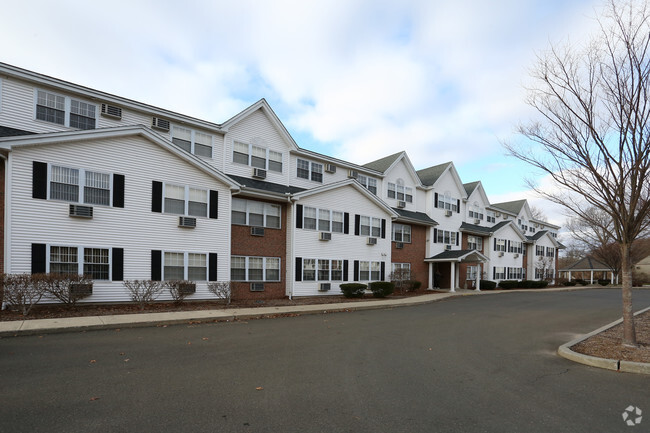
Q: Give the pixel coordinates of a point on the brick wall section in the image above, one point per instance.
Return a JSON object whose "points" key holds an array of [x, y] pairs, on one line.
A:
{"points": [[462, 277], [272, 244], [2, 215], [413, 253]]}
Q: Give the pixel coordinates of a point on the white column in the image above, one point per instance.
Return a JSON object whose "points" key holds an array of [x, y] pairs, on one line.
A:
{"points": [[430, 275], [453, 277], [611, 277], [478, 277], [592, 277], [569, 275]]}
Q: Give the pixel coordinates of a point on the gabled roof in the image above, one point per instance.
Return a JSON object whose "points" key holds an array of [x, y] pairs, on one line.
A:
{"points": [[247, 183], [88, 135], [6, 131], [347, 183], [429, 176], [587, 264], [470, 187], [414, 217], [480, 230], [540, 234], [511, 206], [471, 256], [384, 163]]}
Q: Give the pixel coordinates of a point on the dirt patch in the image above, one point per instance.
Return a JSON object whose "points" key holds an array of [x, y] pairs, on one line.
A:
{"points": [[608, 344], [56, 311]]}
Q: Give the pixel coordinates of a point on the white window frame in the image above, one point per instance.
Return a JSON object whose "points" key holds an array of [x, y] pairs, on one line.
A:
{"points": [[318, 271], [396, 189], [448, 202], [499, 272], [400, 266], [264, 268], [446, 237], [472, 270], [374, 268], [475, 211], [501, 245], [266, 212], [80, 258], [67, 108], [477, 241], [186, 266], [401, 229], [491, 216], [81, 185], [539, 251], [312, 170], [193, 140], [370, 183], [186, 199], [267, 151], [372, 228]]}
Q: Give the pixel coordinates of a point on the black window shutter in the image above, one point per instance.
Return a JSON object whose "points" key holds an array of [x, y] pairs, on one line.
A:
{"points": [[345, 270], [457, 206], [118, 191], [457, 238], [435, 199], [214, 206], [156, 196], [435, 236], [346, 223], [212, 266], [495, 244], [357, 225], [298, 216], [38, 258], [509, 247], [39, 180], [156, 270], [356, 270], [383, 228], [494, 273], [299, 268], [383, 271], [117, 272]]}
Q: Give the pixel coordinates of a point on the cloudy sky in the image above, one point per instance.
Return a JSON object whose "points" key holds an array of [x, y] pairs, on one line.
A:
{"points": [[354, 79]]}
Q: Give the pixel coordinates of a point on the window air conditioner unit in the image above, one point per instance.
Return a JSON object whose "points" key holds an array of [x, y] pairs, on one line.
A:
{"points": [[399, 245], [187, 222], [81, 289], [111, 111], [447, 247], [497, 214], [324, 287], [257, 231], [500, 253], [259, 173], [371, 241], [330, 168], [325, 236], [187, 288], [517, 256], [536, 225], [477, 221], [505, 217], [353, 174], [161, 124], [401, 204], [257, 287], [448, 213], [81, 211]]}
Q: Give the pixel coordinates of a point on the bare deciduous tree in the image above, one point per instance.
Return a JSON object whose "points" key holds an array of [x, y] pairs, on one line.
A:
{"points": [[594, 131], [143, 291], [221, 289], [22, 291], [538, 214]]}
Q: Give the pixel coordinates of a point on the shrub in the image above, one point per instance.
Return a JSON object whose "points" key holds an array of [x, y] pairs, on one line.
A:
{"points": [[401, 279], [143, 291], [488, 285], [582, 282], [413, 285], [570, 283], [509, 284], [353, 290], [603, 282], [381, 289], [221, 289], [639, 278], [532, 284], [23, 291], [179, 289], [67, 288]]}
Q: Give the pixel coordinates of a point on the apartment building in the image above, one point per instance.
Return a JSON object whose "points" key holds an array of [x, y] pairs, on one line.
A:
{"points": [[119, 190]]}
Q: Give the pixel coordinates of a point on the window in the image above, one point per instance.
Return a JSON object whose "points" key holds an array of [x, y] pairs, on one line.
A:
{"points": [[515, 247], [474, 242], [197, 266], [245, 268], [369, 271], [96, 263], [337, 270], [515, 273], [184, 266], [192, 141], [400, 192], [396, 267], [322, 219], [446, 201], [174, 266], [471, 273], [337, 222], [499, 273], [63, 260], [369, 182], [66, 111], [323, 270], [539, 250], [65, 181], [491, 216], [446, 237], [550, 252], [255, 213], [500, 245], [185, 200], [309, 170], [370, 226], [475, 211], [401, 233], [256, 156], [309, 270]]}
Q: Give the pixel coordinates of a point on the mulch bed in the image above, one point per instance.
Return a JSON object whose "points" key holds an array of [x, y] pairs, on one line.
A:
{"points": [[608, 344]]}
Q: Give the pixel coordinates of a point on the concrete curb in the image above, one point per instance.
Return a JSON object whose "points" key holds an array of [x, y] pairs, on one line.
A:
{"points": [[609, 364]]}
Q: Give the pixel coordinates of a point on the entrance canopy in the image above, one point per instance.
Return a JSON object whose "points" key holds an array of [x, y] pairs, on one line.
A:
{"points": [[458, 256]]}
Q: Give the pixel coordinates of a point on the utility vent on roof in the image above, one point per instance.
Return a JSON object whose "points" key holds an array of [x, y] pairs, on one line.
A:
{"points": [[111, 111], [330, 168], [259, 173], [81, 211], [161, 124]]}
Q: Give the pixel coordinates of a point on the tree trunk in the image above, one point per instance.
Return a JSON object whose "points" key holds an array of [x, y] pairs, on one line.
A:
{"points": [[629, 332]]}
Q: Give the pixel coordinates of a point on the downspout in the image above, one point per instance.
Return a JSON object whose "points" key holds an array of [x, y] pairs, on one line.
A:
{"points": [[5, 161], [292, 246]]}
